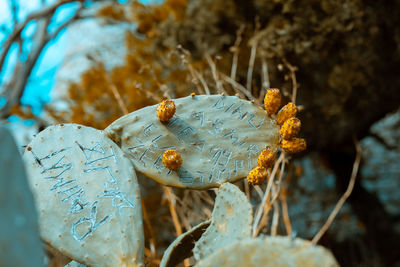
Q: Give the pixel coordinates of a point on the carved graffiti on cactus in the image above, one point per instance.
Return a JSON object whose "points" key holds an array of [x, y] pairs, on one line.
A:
{"points": [[218, 137]]}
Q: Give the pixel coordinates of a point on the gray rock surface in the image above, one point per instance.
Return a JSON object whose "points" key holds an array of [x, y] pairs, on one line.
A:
{"points": [[20, 244]]}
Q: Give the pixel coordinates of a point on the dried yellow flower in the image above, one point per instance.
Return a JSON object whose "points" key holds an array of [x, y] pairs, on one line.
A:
{"points": [[272, 101], [290, 128], [166, 110], [288, 111], [266, 159], [294, 145], [257, 175], [172, 159]]}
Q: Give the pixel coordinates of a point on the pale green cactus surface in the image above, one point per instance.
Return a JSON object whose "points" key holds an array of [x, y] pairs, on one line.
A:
{"points": [[218, 137], [87, 196], [271, 251], [230, 221], [74, 264], [182, 246]]}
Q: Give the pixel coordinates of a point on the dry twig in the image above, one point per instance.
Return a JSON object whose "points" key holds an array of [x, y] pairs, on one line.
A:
{"points": [[261, 209], [344, 197], [235, 50], [14, 87], [285, 212]]}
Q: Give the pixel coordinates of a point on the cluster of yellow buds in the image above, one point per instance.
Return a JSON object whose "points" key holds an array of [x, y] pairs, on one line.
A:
{"points": [[286, 118], [290, 128], [265, 161], [257, 175]]}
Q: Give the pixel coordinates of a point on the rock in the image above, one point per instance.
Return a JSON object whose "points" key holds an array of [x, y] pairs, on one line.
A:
{"points": [[311, 198], [87, 196], [20, 244]]}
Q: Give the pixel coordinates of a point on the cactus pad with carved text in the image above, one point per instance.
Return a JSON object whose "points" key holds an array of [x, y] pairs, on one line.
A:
{"points": [[87, 196], [218, 137]]}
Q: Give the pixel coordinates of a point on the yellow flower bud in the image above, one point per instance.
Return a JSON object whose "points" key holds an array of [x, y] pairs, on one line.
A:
{"points": [[165, 110], [257, 175], [272, 101], [294, 145], [290, 128], [172, 159], [266, 159], [287, 112]]}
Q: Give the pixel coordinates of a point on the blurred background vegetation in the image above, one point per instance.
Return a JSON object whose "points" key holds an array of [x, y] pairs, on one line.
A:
{"points": [[339, 59]]}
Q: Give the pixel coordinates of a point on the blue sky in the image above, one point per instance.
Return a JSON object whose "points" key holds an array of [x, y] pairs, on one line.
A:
{"points": [[42, 78]]}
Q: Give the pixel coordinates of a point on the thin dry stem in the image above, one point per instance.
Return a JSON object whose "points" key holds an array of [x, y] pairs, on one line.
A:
{"points": [[259, 191], [251, 66], [235, 49], [171, 203], [184, 55], [344, 197], [238, 87], [279, 181], [295, 86], [275, 219], [218, 82], [265, 78], [265, 217], [202, 81], [260, 210], [152, 239], [285, 212], [120, 102]]}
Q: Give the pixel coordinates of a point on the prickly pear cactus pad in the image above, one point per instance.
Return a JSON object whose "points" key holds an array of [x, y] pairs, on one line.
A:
{"points": [[20, 244], [74, 264], [87, 196], [270, 252], [230, 221], [218, 137], [182, 246]]}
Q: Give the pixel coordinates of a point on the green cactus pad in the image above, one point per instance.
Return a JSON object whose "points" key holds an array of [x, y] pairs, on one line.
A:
{"points": [[270, 252], [218, 137], [87, 196], [230, 221], [182, 246], [20, 244], [74, 264]]}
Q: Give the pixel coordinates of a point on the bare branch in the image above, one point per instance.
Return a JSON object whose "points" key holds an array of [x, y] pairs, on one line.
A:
{"points": [[214, 71], [238, 87], [295, 85], [235, 50], [251, 66], [343, 199], [13, 89], [18, 28]]}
